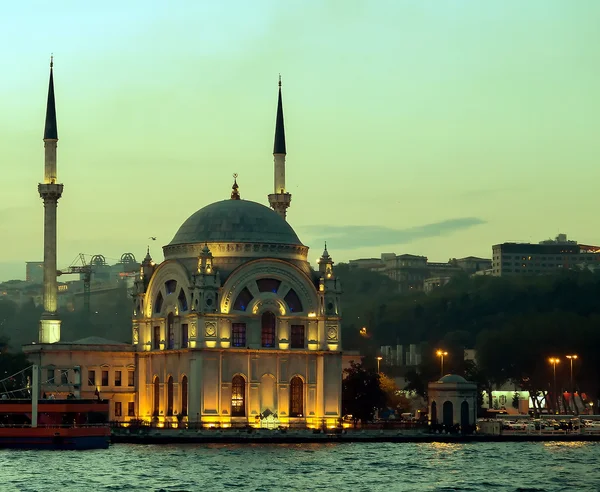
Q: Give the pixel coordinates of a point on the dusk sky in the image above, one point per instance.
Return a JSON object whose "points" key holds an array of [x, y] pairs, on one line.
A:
{"points": [[426, 127]]}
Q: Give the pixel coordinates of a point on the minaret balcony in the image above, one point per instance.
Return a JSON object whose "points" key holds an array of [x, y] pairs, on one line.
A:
{"points": [[283, 198], [50, 190]]}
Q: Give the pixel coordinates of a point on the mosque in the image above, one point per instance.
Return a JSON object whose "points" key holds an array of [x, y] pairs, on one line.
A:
{"points": [[234, 327]]}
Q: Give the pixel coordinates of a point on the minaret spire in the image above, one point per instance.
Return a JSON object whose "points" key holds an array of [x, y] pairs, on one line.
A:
{"points": [[50, 191], [279, 200], [279, 145], [51, 130]]}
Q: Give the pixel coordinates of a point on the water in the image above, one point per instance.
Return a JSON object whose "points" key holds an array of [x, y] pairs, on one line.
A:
{"points": [[338, 467]]}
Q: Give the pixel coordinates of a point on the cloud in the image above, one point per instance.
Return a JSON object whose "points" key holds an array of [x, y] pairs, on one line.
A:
{"points": [[352, 237]]}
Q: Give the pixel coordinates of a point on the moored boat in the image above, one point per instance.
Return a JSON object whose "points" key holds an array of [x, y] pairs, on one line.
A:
{"points": [[48, 423], [61, 424]]}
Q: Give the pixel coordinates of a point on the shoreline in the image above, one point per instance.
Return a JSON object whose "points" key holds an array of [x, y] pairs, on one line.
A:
{"points": [[275, 437]]}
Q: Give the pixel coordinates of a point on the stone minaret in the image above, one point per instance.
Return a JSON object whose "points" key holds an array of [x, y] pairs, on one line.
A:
{"points": [[50, 191], [279, 200]]}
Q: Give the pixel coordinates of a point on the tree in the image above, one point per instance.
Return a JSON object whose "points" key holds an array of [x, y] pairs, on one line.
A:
{"points": [[362, 394], [515, 400], [394, 398]]}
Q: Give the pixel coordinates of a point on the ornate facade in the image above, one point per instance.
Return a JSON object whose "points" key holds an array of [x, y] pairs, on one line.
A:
{"points": [[231, 328]]}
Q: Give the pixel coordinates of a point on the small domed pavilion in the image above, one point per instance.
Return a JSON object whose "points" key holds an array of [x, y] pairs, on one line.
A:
{"points": [[452, 403]]}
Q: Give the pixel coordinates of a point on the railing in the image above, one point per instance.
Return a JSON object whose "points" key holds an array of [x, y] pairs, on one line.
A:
{"points": [[320, 425], [51, 426]]}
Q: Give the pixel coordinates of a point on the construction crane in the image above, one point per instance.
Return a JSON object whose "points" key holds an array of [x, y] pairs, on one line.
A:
{"points": [[85, 271], [95, 266]]}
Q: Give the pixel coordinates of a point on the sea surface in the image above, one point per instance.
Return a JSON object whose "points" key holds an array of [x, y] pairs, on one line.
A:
{"points": [[340, 467]]}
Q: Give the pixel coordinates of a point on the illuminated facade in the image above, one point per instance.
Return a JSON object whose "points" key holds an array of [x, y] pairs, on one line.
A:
{"points": [[233, 328]]}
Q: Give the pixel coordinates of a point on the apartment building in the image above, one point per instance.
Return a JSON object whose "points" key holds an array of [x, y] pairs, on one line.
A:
{"points": [[543, 258]]}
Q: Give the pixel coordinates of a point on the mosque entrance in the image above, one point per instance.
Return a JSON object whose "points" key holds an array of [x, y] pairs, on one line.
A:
{"points": [[448, 413]]}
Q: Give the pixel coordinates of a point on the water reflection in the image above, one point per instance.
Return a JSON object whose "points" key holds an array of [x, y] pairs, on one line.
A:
{"points": [[370, 467]]}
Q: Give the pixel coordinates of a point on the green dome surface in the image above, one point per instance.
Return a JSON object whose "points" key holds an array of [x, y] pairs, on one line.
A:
{"points": [[235, 221]]}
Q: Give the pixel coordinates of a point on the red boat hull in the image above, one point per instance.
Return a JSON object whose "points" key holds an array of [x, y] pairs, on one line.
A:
{"points": [[55, 438]]}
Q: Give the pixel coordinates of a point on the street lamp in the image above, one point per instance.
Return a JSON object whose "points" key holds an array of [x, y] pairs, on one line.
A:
{"points": [[441, 354], [554, 361], [571, 359], [378, 361]]}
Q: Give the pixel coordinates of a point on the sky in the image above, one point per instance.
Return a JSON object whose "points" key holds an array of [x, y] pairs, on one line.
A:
{"points": [[431, 127]]}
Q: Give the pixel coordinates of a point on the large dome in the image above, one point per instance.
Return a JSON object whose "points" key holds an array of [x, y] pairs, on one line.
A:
{"points": [[235, 221]]}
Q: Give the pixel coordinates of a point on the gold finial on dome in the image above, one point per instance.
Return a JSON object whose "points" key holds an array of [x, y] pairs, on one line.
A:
{"points": [[235, 194]]}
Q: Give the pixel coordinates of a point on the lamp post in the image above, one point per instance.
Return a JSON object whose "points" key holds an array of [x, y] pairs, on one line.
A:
{"points": [[378, 361], [571, 359], [441, 354], [554, 361]]}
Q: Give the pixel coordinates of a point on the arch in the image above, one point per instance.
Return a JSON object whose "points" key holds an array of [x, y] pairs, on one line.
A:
{"points": [[238, 396], [268, 327], [296, 397], [448, 413], [184, 396], [170, 396], [156, 402], [271, 268], [464, 416], [433, 415], [166, 271]]}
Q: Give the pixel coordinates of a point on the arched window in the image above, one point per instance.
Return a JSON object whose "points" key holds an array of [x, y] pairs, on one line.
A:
{"points": [[293, 301], [170, 396], [268, 285], [156, 397], [448, 413], [170, 286], [268, 323], [183, 305], [158, 303], [238, 397], [184, 395], [170, 331], [296, 397], [243, 299]]}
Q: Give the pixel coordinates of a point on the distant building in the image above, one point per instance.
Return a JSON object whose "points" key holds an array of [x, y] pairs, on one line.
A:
{"points": [[432, 283], [34, 272], [412, 271], [401, 355], [545, 257]]}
